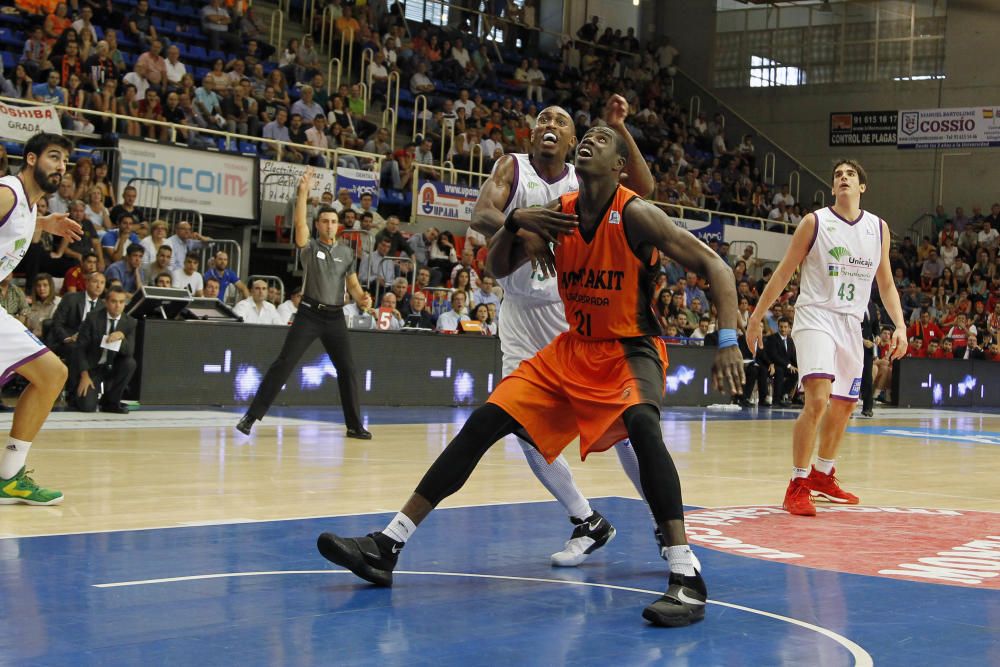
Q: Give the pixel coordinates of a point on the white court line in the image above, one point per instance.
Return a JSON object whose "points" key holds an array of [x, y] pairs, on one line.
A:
{"points": [[224, 522], [861, 657]]}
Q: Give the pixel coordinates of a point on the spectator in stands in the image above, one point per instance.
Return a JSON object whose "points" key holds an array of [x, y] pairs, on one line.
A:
{"points": [[360, 315], [188, 277], [481, 314], [43, 303], [154, 65], [779, 350], [240, 113], [277, 130], [931, 270], [226, 276], [150, 109], [71, 252], [215, 24], [989, 237], [416, 313], [128, 271], [420, 243], [13, 299], [397, 243], [306, 106], [467, 264], [388, 317], [374, 273], [420, 83], [317, 138], [212, 289], [450, 320], [35, 55], [160, 266], [442, 257], [290, 307], [115, 242], [366, 205], [94, 364], [175, 69], [184, 241], [256, 309], [536, 82], [344, 201], [487, 292], [75, 279], [307, 60]]}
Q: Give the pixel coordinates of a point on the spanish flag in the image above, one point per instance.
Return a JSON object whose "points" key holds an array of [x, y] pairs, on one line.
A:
{"points": [[987, 113]]}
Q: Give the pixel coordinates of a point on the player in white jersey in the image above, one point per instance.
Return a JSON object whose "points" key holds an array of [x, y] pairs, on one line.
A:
{"points": [[841, 249], [533, 314], [45, 159]]}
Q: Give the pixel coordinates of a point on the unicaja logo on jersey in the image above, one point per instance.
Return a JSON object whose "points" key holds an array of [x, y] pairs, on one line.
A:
{"points": [[838, 252]]}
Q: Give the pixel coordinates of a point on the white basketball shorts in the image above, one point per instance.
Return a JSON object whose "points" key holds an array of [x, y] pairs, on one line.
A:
{"points": [[526, 329], [828, 345], [18, 346]]}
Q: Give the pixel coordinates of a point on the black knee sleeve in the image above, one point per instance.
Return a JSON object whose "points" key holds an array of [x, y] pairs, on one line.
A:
{"points": [[452, 468], [660, 483]]}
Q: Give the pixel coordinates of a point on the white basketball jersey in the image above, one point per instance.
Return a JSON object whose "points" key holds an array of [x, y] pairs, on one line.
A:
{"points": [[16, 229], [838, 270], [525, 286]]}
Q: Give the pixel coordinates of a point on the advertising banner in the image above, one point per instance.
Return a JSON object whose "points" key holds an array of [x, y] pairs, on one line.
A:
{"points": [[863, 128], [446, 201], [706, 230], [357, 182], [217, 184], [279, 181], [21, 123], [965, 127]]}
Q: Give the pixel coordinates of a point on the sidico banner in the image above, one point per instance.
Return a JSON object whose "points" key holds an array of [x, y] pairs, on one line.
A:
{"points": [[219, 184], [445, 201], [965, 127], [21, 123]]}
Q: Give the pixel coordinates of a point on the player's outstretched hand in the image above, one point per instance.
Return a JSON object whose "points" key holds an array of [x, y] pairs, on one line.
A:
{"points": [[307, 181], [616, 111], [60, 224], [539, 252], [898, 345], [545, 223], [727, 370]]}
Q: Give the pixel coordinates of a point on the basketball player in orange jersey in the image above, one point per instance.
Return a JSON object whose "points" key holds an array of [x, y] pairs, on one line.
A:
{"points": [[842, 249], [532, 310], [602, 380]]}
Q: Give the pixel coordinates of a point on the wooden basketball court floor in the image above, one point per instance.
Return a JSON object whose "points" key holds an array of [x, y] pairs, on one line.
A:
{"points": [[182, 541]]}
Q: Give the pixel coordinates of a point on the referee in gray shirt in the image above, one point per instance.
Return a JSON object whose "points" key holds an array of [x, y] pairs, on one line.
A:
{"points": [[329, 267]]}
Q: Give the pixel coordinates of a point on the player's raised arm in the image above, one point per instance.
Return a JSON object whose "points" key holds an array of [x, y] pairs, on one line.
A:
{"points": [[797, 251], [488, 215], [645, 223], [637, 175]]}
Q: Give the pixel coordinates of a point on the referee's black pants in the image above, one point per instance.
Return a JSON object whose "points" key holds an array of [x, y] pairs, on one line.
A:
{"points": [[309, 324]]}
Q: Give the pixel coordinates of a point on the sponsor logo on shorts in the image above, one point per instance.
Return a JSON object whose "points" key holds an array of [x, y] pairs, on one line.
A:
{"points": [[855, 387], [957, 548]]}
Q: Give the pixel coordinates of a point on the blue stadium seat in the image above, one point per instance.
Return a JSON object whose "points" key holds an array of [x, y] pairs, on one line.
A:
{"points": [[214, 55], [198, 52], [12, 21], [14, 148], [9, 63], [248, 148]]}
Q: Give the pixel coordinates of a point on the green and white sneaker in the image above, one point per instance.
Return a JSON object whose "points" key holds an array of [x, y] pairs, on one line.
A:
{"points": [[22, 489]]}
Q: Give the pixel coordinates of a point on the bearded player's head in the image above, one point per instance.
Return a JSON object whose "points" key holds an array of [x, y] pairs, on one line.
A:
{"points": [[554, 134], [46, 156]]}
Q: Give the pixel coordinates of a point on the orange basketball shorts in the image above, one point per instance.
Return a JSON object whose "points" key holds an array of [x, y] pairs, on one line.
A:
{"points": [[575, 386]]}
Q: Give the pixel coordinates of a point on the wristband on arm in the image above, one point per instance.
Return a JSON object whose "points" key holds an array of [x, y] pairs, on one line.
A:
{"points": [[509, 223], [727, 338]]}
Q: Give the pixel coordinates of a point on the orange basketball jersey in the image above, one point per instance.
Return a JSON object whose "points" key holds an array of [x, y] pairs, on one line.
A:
{"points": [[605, 288]]}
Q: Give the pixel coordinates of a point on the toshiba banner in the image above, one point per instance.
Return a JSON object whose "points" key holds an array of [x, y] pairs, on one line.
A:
{"points": [[219, 184], [967, 127], [21, 123]]}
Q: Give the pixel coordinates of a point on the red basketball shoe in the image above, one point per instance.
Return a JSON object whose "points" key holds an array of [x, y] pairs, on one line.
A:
{"points": [[825, 486], [797, 498]]}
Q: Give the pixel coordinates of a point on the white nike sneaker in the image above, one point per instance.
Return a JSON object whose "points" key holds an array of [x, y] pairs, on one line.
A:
{"points": [[588, 536]]}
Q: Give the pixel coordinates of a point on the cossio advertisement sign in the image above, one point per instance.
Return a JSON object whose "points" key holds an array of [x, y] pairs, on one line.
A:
{"points": [[216, 184], [965, 127]]}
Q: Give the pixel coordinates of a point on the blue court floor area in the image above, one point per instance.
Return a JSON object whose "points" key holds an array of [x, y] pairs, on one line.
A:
{"points": [[474, 587]]}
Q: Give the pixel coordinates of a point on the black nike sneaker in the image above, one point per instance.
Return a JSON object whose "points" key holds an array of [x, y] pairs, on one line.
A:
{"points": [[682, 604], [588, 536], [372, 557]]}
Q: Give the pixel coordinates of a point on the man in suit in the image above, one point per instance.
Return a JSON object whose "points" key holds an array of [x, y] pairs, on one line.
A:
{"points": [[94, 363], [756, 368], [71, 312], [780, 352]]}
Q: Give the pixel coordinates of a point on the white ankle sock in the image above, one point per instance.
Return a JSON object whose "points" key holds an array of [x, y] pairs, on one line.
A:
{"points": [[824, 466], [799, 472], [681, 560], [400, 528], [13, 457]]}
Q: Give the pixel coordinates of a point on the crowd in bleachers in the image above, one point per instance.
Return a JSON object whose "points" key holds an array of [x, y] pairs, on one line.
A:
{"points": [[208, 67]]}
